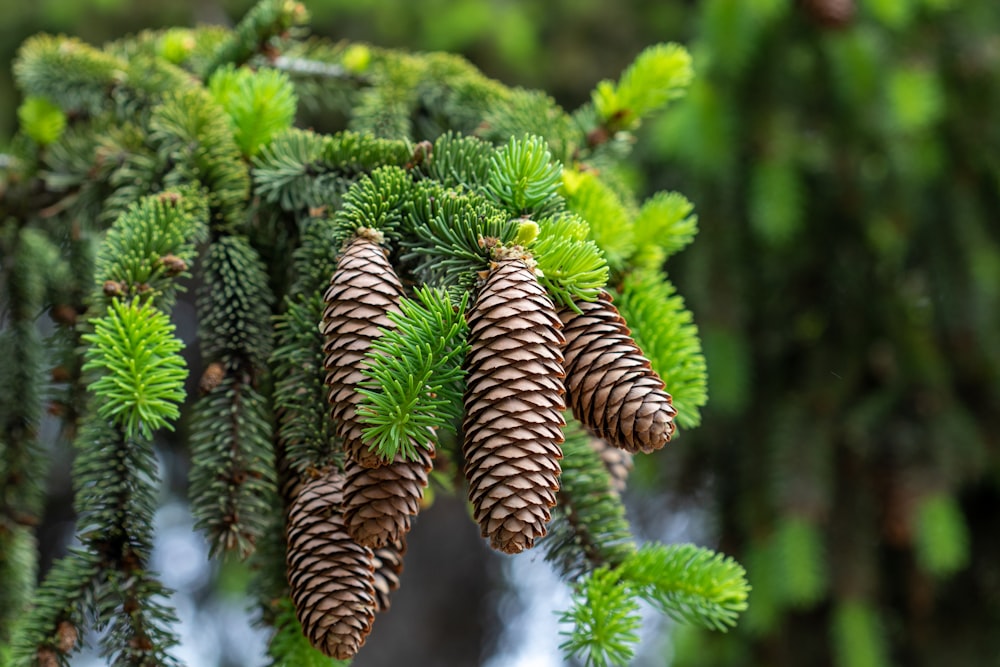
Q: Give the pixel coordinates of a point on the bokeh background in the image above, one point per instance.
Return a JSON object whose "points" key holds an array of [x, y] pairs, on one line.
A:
{"points": [[844, 160]]}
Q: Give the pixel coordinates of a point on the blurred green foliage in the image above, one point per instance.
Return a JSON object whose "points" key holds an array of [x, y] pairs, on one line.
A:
{"points": [[843, 160]]}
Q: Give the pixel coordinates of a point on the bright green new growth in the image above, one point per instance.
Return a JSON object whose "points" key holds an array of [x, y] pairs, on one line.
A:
{"points": [[41, 120], [569, 265], [605, 616], [659, 74], [689, 583], [663, 227], [523, 177], [609, 219], [416, 373], [141, 382], [692, 584], [260, 103]]}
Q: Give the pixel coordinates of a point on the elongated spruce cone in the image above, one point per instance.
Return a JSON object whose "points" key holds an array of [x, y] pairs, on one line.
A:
{"points": [[610, 386], [332, 578], [378, 502], [363, 290], [513, 403], [388, 568]]}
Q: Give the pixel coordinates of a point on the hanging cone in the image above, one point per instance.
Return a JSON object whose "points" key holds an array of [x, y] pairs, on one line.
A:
{"points": [[618, 463], [331, 577], [363, 290], [388, 567], [378, 502], [610, 386], [513, 403], [830, 13]]}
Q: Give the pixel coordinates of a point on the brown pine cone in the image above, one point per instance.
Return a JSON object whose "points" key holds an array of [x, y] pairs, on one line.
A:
{"points": [[513, 403], [618, 463], [611, 387], [388, 568], [363, 290], [331, 577], [378, 502]]}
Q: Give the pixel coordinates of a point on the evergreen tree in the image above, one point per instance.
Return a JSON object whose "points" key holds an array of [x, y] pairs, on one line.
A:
{"points": [[427, 288]]}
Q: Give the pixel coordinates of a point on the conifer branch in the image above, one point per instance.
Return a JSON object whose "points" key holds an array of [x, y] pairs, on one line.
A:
{"points": [[450, 229], [261, 104], [141, 380], [691, 584], [416, 375], [589, 529], [267, 20], [605, 618], [233, 480], [375, 202], [524, 179], [193, 134], [659, 74]]}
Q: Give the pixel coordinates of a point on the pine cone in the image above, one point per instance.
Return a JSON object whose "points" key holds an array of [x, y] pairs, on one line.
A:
{"points": [[611, 387], [830, 13], [618, 463], [378, 502], [331, 577], [363, 290], [513, 403], [388, 568]]}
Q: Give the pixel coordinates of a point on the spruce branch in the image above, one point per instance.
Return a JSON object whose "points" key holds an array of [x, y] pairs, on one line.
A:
{"points": [[605, 618], [193, 134], [524, 179], [459, 160], [570, 266], [659, 74], [692, 584], [416, 375], [260, 103], [589, 529], [305, 431], [152, 244], [374, 202], [64, 70], [663, 227], [233, 480], [267, 20], [300, 169], [234, 307], [450, 227], [141, 373]]}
